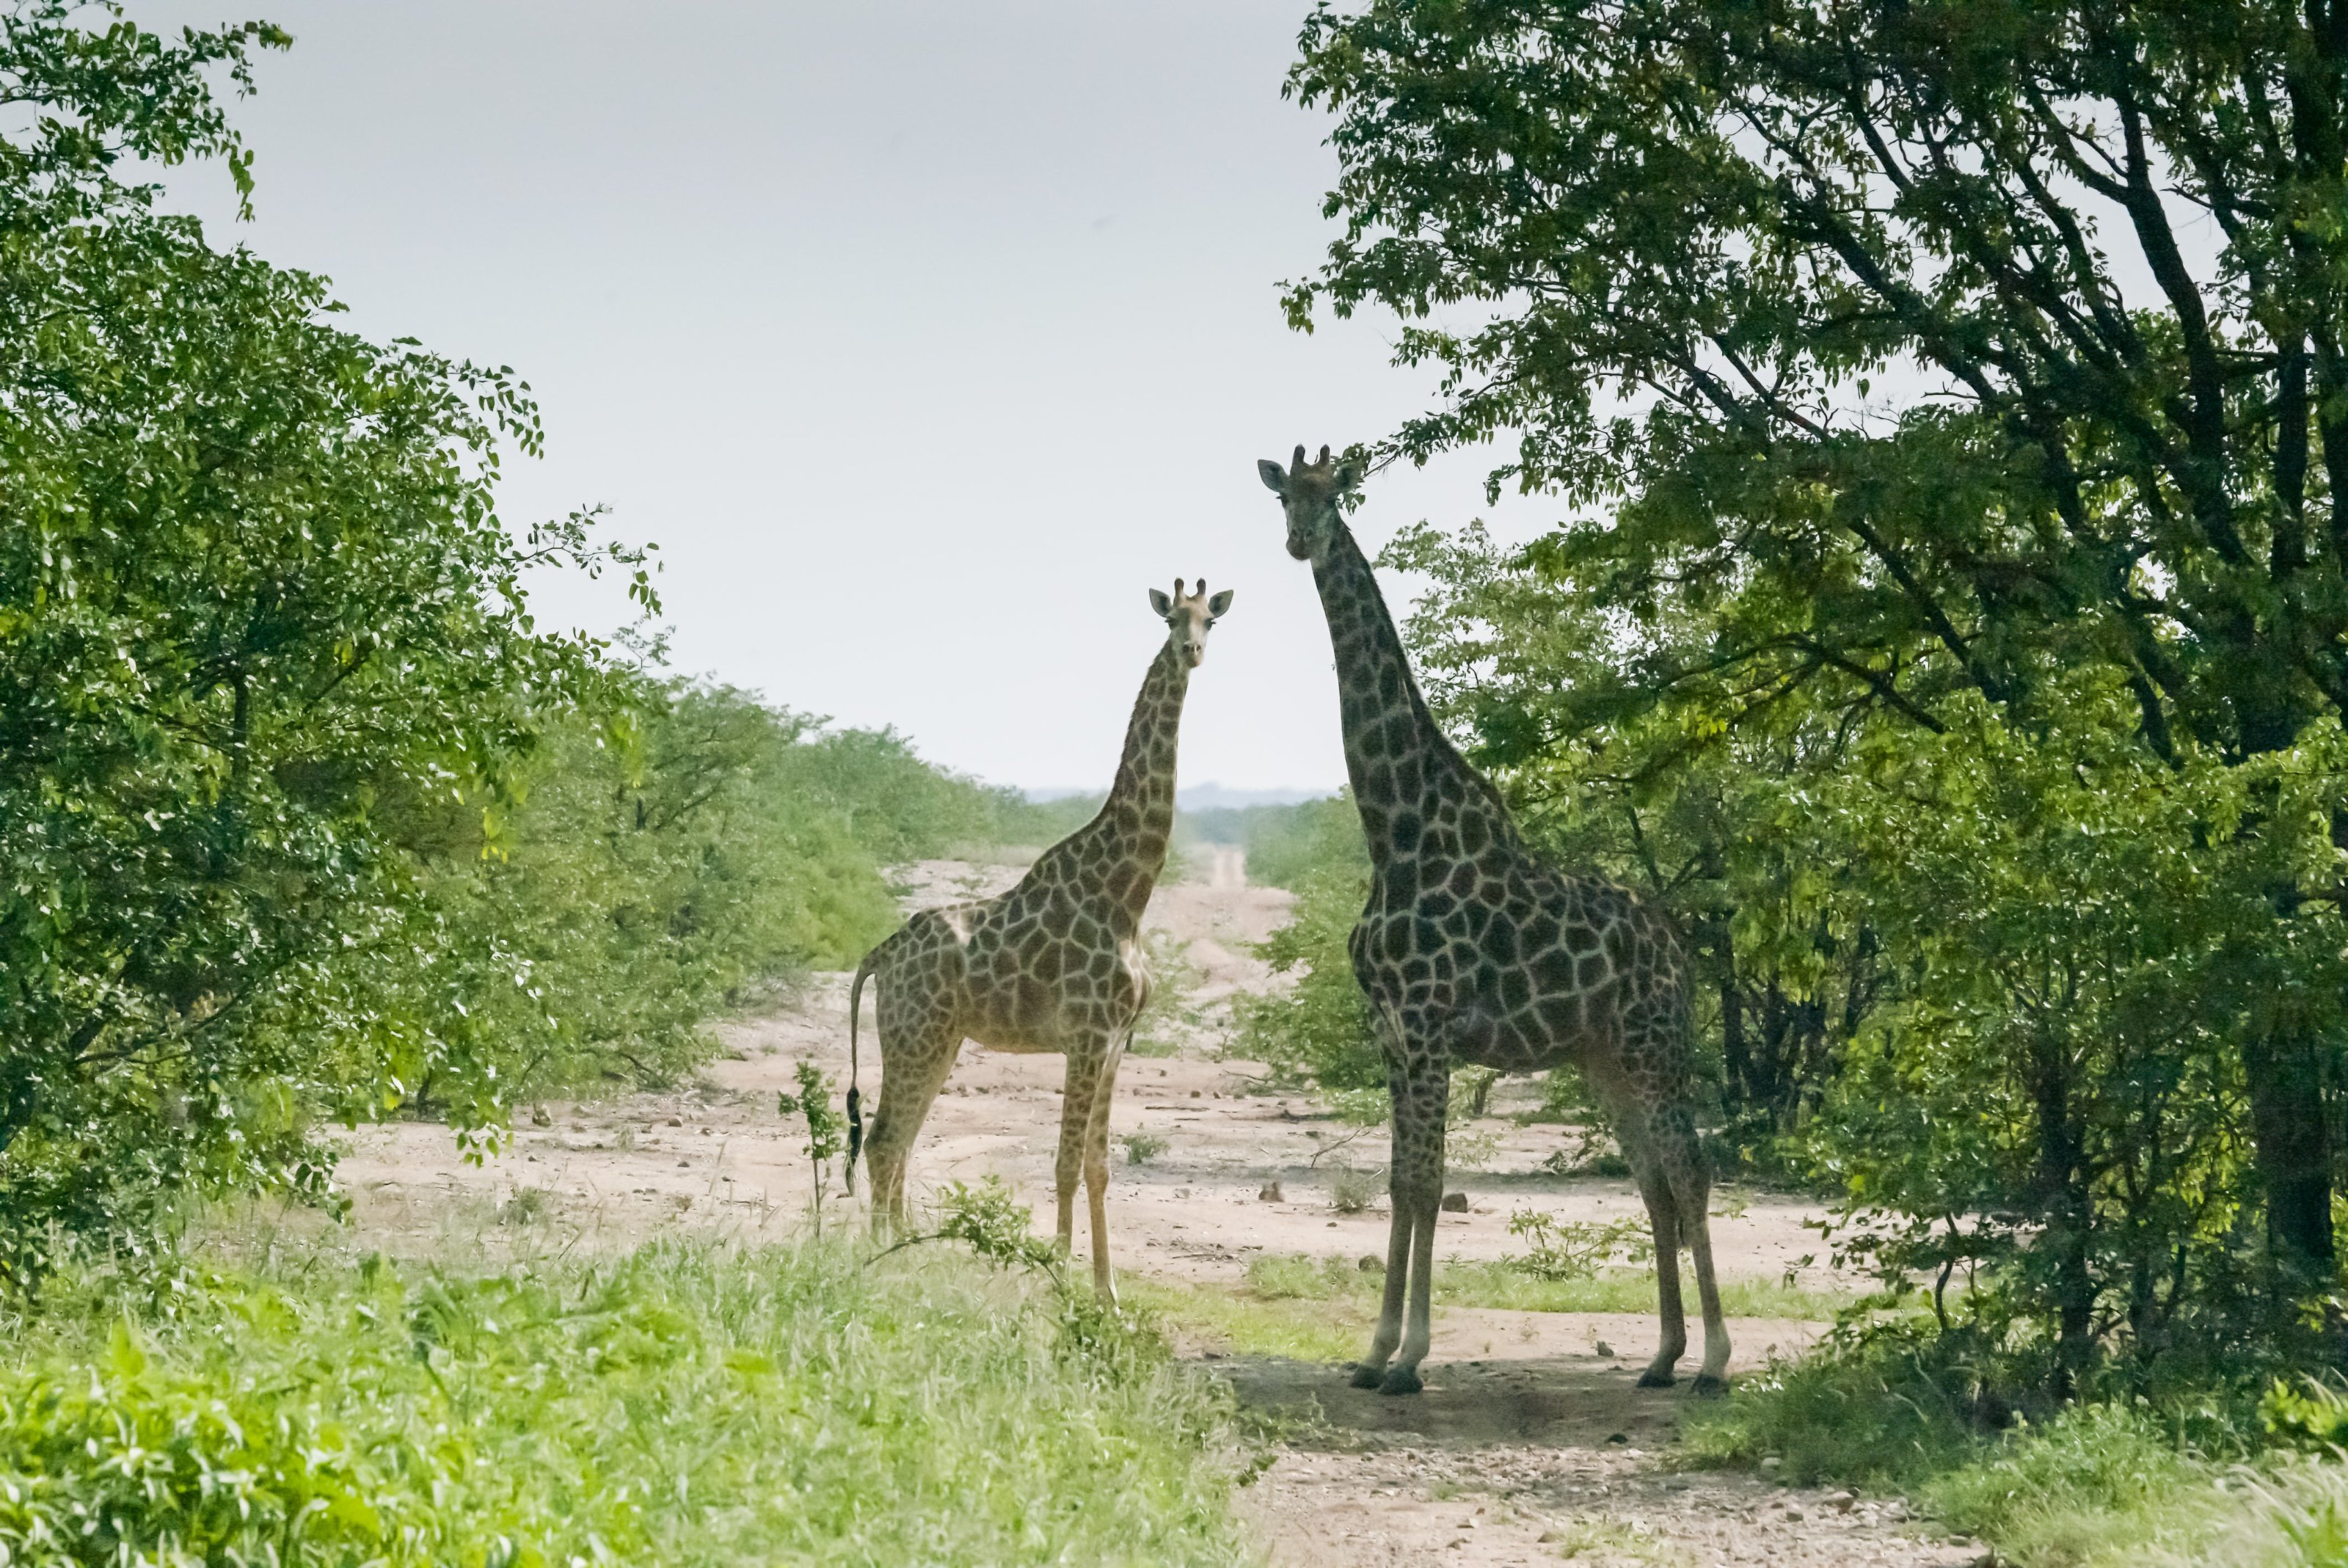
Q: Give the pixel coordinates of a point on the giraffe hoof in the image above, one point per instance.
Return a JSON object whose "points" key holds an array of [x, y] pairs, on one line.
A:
{"points": [[1650, 1378], [1400, 1380], [1366, 1377], [1708, 1386]]}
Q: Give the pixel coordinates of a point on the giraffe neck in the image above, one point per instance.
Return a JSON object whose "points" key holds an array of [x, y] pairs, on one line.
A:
{"points": [[1136, 823], [1399, 760]]}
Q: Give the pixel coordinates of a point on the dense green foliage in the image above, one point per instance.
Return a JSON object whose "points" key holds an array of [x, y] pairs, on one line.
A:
{"points": [[2172, 1476], [690, 1404], [665, 859], [254, 602], [302, 815], [1952, 632], [1318, 1029]]}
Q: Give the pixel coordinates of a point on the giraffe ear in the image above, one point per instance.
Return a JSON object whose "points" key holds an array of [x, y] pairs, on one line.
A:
{"points": [[1276, 478], [1349, 477], [1161, 602], [1219, 603]]}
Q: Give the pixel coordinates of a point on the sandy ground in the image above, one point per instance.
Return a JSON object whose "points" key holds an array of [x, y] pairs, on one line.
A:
{"points": [[1528, 1447]]}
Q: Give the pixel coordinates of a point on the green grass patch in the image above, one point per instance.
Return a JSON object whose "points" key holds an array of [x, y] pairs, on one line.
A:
{"points": [[1247, 1323], [1498, 1284], [2095, 1484], [687, 1404]]}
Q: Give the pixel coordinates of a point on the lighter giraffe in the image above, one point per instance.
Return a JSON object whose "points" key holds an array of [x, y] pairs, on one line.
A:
{"points": [[1472, 952], [1054, 964]]}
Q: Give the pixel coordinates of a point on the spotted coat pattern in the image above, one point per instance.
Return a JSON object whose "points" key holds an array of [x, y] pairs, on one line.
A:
{"points": [[1472, 952], [1056, 964]]}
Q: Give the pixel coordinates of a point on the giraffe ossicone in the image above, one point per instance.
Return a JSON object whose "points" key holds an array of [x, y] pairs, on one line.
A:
{"points": [[1474, 952], [1056, 964]]}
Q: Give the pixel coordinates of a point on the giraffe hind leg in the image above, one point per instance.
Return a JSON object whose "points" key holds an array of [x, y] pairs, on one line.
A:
{"points": [[1682, 1159], [914, 1062]]}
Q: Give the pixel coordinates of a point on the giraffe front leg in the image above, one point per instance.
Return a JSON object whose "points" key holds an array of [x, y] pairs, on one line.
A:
{"points": [[1681, 1157], [1415, 1187], [1097, 1168], [1068, 1167], [1370, 1371]]}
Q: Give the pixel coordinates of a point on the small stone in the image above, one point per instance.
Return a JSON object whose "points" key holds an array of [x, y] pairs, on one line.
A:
{"points": [[1602, 1348], [672, 1121], [1617, 1436], [1333, 1224], [1455, 1203], [1371, 1265], [1771, 1465], [1840, 1501], [1793, 1515], [1194, 1094], [1271, 1192]]}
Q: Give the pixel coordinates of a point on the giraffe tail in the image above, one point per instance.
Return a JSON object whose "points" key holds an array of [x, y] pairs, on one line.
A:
{"points": [[855, 1096]]}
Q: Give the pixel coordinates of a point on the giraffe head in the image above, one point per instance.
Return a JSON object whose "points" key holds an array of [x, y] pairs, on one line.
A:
{"points": [[1309, 494], [1188, 617]]}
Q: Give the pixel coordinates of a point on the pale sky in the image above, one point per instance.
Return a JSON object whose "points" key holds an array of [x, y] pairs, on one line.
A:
{"points": [[924, 338]]}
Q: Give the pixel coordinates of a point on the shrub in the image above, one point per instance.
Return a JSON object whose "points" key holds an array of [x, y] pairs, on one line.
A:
{"points": [[685, 1405], [1577, 1249], [1352, 1190]]}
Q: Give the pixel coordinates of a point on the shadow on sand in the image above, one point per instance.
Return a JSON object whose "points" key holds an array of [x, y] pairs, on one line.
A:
{"points": [[1548, 1401]]}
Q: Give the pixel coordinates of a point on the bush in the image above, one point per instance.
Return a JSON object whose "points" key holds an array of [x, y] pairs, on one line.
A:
{"points": [[1352, 1190], [685, 1405], [1319, 1030], [257, 608], [1577, 1249], [680, 857], [302, 816]]}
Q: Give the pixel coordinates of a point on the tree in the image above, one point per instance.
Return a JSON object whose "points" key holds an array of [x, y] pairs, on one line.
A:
{"points": [[1884, 325], [259, 625]]}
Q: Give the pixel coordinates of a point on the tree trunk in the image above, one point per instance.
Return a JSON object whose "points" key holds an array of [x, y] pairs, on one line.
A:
{"points": [[2294, 1154], [2064, 1207]]}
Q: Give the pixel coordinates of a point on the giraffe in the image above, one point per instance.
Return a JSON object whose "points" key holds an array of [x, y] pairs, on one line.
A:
{"points": [[1054, 964], [1472, 952]]}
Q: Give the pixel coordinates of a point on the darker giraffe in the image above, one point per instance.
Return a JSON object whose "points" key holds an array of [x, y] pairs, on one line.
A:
{"points": [[1055, 964], [1472, 952]]}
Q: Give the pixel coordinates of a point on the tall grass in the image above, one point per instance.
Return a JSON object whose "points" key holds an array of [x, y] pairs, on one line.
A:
{"points": [[689, 1404]]}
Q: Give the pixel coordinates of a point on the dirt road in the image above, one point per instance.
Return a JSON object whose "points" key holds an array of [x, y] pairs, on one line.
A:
{"points": [[1529, 1446]]}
